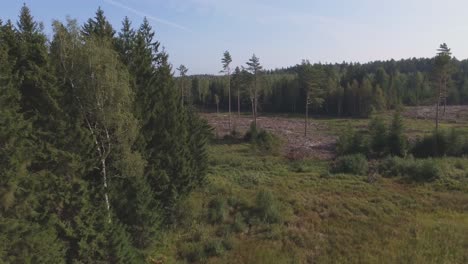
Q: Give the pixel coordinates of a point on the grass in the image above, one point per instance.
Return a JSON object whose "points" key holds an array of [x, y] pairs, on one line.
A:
{"points": [[324, 218]]}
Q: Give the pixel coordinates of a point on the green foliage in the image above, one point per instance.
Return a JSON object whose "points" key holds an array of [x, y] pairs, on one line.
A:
{"points": [[352, 164], [96, 119], [263, 141], [378, 135], [351, 142], [217, 210], [441, 143], [410, 168], [267, 208], [397, 141]]}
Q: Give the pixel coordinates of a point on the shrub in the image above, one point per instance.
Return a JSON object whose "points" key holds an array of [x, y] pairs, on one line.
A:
{"points": [[217, 210], [192, 252], [397, 141], [353, 164], [440, 143], [351, 142], [214, 248], [263, 141], [252, 133], [238, 225], [267, 143], [266, 207], [378, 135], [413, 169]]}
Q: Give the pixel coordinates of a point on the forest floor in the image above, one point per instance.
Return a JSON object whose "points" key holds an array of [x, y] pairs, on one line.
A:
{"points": [[323, 132]]}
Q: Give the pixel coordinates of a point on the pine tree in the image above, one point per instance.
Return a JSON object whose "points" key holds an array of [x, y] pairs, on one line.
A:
{"points": [[182, 80], [226, 61], [441, 77], [397, 142], [255, 68], [311, 79], [378, 134], [99, 27], [126, 41]]}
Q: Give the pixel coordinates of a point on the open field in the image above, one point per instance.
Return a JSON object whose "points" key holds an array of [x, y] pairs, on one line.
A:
{"points": [[312, 216], [323, 132]]}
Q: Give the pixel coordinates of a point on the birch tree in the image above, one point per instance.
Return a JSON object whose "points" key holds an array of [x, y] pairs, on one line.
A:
{"points": [[100, 87]]}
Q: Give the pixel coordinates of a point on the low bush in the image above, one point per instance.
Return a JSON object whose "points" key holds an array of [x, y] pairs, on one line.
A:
{"points": [[214, 248], [352, 142], [410, 168], [263, 141], [192, 252], [217, 210], [267, 208], [352, 164], [441, 143]]}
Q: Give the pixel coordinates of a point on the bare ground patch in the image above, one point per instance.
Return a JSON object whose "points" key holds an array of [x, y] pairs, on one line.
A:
{"points": [[318, 143]]}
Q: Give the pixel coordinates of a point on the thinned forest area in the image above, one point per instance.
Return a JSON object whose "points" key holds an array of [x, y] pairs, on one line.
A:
{"points": [[107, 157]]}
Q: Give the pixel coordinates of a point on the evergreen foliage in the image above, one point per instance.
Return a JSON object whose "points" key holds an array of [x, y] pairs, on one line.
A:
{"points": [[95, 149]]}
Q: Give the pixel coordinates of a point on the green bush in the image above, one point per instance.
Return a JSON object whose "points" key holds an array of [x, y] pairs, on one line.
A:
{"points": [[413, 169], [267, 208], [352, 142], [192, 252], [214, 248], [217, 210], [397, 142], [441, 143], [378, 135], [353, 164], [252, 133], [263, 141], [238, 225]]}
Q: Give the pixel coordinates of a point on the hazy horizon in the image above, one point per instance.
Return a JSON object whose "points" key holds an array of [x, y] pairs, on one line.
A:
{"points": [[196, 32]]}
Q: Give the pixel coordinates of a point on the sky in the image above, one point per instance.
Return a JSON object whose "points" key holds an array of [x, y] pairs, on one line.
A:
{"points": [[281, 33]]}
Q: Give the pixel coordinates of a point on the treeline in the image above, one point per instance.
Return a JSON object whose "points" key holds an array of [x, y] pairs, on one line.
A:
{"points": [[346, 89], [96, 150]]}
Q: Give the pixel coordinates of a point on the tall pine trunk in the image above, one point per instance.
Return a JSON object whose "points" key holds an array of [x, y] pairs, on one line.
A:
{"points": [[306, 114], [229, 91], [238, 102]]}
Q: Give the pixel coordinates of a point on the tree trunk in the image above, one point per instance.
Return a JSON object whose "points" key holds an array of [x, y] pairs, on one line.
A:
{"points": [[255, 101], [445, 96], [253, 108], [229, 91], [306, 114], [106, 196], [238, 103], [437, 106]]}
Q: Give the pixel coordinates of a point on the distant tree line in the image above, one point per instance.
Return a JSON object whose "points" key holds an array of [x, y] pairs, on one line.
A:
{"points": [[96, 150], [342, 89]]}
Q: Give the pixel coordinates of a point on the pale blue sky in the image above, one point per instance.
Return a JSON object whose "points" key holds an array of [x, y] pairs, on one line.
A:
{"points": [[280, 33]]}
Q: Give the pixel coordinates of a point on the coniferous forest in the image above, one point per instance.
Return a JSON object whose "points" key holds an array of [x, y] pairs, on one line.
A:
{"points": [[345, 89], [96, 149], [107, 157]]}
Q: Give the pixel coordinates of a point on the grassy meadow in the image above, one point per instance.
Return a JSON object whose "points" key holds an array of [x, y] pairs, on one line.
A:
{"points": [[267, 209]]}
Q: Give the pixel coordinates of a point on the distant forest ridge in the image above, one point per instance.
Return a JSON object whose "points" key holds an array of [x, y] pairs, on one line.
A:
{"points": [[347, 89]]}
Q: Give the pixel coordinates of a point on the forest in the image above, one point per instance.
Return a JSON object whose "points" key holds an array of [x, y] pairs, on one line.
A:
{"points": [[344, 89], [96, 148], [110, 154]]}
